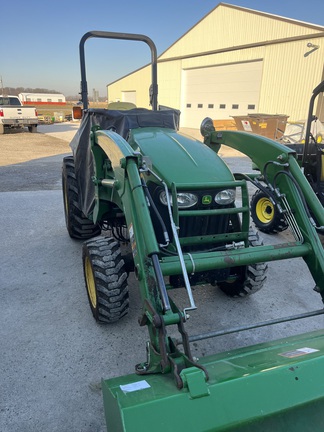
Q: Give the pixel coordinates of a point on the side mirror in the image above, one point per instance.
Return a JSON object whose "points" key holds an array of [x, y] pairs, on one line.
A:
{"points": [[77, 113], [207, 127]]}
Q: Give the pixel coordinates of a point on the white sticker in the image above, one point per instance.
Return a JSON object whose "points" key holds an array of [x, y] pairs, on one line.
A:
{"points": [[246, 125], [139, 385], [298, 352], [307, 350]]}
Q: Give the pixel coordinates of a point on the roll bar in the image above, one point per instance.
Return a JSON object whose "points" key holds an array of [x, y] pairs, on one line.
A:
{"points": [[124, 36]]}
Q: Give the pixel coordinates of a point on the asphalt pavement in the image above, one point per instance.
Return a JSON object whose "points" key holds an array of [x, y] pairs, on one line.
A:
{"points": [[53, 354]]}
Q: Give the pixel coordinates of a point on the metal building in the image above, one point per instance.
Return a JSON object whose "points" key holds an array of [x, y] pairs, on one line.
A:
{"points": [[42, 98], [235, 61]]}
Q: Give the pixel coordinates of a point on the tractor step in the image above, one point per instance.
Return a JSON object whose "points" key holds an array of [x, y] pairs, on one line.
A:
{"points": [[275, 386]]}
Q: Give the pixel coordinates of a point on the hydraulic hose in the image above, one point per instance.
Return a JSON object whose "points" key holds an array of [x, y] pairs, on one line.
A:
{"points": [[160, 283], [152, 204], [301, 195]]}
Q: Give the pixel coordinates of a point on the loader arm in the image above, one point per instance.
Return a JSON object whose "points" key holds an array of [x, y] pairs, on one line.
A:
{"points": [[278, 163], [126, 182], [261, 150]]}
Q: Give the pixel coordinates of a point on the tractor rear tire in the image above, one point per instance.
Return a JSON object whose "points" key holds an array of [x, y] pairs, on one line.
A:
{"points": [[106, 279], [78, 225], [253, 275], [265, 216]]}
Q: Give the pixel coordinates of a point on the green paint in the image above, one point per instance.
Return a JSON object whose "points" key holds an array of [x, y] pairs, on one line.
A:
{"points": [[249, 389]]}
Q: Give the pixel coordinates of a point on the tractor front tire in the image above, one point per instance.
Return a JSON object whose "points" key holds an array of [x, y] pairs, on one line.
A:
{"points": [[252, 276], [78, 225], [106, 279], [265, 215]]}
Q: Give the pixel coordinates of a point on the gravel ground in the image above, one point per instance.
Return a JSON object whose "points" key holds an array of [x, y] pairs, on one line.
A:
{"points": [[21, 147], [32, 161]]}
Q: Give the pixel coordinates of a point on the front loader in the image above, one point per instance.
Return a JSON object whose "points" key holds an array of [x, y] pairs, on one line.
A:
{"points": [[135, 180]]}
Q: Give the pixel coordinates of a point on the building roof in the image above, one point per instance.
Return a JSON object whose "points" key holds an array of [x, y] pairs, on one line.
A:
{"points": [[188, 45], [214, 38], [269, 15]]}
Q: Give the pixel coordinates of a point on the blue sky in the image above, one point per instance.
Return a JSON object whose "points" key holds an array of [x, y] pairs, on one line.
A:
{"points": [[40, 39]]}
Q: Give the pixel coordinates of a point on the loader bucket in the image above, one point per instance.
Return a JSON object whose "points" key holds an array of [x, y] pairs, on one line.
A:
{"points": [[277, 386]]}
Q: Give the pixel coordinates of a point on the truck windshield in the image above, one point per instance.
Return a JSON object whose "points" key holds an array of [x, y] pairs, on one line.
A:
{"points": [[5, 100]]}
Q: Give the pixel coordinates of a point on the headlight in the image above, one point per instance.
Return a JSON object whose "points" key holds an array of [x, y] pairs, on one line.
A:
{"points": [[184, 199], [226, 196]]}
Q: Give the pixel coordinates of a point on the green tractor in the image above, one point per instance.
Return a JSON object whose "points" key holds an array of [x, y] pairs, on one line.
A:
{"points": [[151, 201], [266, 212]]}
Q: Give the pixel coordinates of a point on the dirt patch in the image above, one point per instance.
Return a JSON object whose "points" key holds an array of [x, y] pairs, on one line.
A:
{"points": [[31, 161], [18, 147]]}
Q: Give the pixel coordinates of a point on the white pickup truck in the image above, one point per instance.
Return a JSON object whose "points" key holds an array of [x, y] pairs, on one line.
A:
{"points": [[14, 115]]}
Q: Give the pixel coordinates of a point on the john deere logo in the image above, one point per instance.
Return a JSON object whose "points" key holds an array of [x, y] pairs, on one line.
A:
{"points": [[207, 199]]}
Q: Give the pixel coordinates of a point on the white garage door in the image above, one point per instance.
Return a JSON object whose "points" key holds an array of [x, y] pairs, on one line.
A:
{"points": [[220, 92]]}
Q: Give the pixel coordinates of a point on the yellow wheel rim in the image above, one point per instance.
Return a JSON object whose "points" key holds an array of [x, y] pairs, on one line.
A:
{"points": [[264, 210], [91, 286]]}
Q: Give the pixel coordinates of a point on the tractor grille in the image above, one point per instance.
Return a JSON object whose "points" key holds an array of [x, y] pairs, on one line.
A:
{"points": [[202, 225], [192, 226]]}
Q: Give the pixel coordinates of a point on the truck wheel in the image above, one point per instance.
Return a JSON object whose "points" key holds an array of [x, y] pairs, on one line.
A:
{"points": [[32, 128], [106, 279], [78, 226], [250, 279], [265, 216]]}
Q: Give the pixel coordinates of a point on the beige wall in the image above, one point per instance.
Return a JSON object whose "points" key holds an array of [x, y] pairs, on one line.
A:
{"points": [[288, 76], [139, 81], [169, 77]]}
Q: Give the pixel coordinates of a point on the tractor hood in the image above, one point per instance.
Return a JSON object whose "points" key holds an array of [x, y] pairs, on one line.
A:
{"points": [[178, 158]]}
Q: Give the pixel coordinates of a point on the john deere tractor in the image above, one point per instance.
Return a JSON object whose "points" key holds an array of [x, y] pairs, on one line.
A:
{"points": [[135, 180]]}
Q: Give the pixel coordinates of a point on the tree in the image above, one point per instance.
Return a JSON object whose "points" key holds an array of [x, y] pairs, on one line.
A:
{"points": [[16, 90]]}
